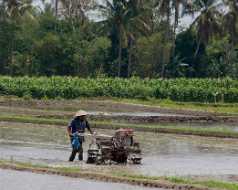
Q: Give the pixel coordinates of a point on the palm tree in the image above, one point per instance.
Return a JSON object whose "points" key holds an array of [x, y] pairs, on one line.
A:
{"points": [[13, 12], [138, 23], [56, 7], [167, 9], [114, 13], [231, 19], [53, 4], [17, 8], [125, 20], [208, 22], [76, 9]]}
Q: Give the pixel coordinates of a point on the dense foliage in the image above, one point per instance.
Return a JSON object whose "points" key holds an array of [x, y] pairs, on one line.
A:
{"points": [[142, 38], [201, 90]]}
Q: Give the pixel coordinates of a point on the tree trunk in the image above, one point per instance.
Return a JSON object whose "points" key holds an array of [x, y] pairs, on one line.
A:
{"points": [[197, 49], [119, 55], [129, 58], [56, 7], [174, 34], [163, 68]]}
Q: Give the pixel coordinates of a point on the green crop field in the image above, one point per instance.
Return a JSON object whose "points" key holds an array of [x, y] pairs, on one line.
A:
{"points": [[184, 90]]}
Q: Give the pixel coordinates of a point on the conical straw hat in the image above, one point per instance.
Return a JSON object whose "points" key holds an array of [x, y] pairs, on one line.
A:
{"points": [[80, 113]]}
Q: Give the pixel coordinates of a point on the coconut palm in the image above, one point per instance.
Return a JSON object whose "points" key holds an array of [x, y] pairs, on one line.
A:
{"points": [[231, 19], [17, 8], [171, 11], [114, 13], [56, 7], [208, 22], [138, 23], [124, 19], [168, 8], [54, 4], [75, 8]]}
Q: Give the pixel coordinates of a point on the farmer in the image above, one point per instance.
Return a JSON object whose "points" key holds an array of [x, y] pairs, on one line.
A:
{"points": [[78, 124]]}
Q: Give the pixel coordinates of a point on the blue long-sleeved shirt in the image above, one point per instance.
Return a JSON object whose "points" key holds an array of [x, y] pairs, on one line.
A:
{"points": [[78, 126]]}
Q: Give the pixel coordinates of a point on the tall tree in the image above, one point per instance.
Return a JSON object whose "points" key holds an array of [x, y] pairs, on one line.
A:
{"points": [[208, 22], [170, 11], [17, 8], [76, 9], [13, 14], [138, 24], [114, 14], [124, 19], [56, 7], [231, 20]]}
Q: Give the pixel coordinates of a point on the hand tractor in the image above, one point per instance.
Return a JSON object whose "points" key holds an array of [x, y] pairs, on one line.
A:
{"points": [[119, 148]]}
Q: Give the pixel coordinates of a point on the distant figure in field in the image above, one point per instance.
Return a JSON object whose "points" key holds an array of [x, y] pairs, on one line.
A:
{"points": [[78, 125]]}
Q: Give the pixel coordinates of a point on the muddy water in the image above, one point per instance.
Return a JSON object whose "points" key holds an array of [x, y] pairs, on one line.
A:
{"points": [[28, 181], [130, 117], [138, 114], [20, 110], [162, 154]]}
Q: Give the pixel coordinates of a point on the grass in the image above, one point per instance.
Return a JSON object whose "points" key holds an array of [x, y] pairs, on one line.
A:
{"points": [[207, 183], [222, 108], [154, 181], [185, 130], [34, 120]]}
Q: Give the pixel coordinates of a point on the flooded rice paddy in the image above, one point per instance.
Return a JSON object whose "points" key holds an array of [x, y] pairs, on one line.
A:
{"points": [[20, 110], [163, 154]]}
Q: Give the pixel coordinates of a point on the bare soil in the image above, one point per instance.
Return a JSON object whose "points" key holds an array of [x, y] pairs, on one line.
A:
{"points": [[102, 105], [109, 111]]}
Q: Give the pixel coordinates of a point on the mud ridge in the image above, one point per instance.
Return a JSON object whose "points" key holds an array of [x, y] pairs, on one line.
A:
{"points": [[177, 131], [170, 119], [105, 178]]}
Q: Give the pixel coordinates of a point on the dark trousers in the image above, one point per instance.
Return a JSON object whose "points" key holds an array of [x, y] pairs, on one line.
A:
{"points": [[74, 152]]}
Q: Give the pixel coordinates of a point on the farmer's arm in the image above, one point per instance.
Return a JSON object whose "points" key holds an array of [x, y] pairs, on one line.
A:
{"points": [[69, 128], [88, 127]]}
